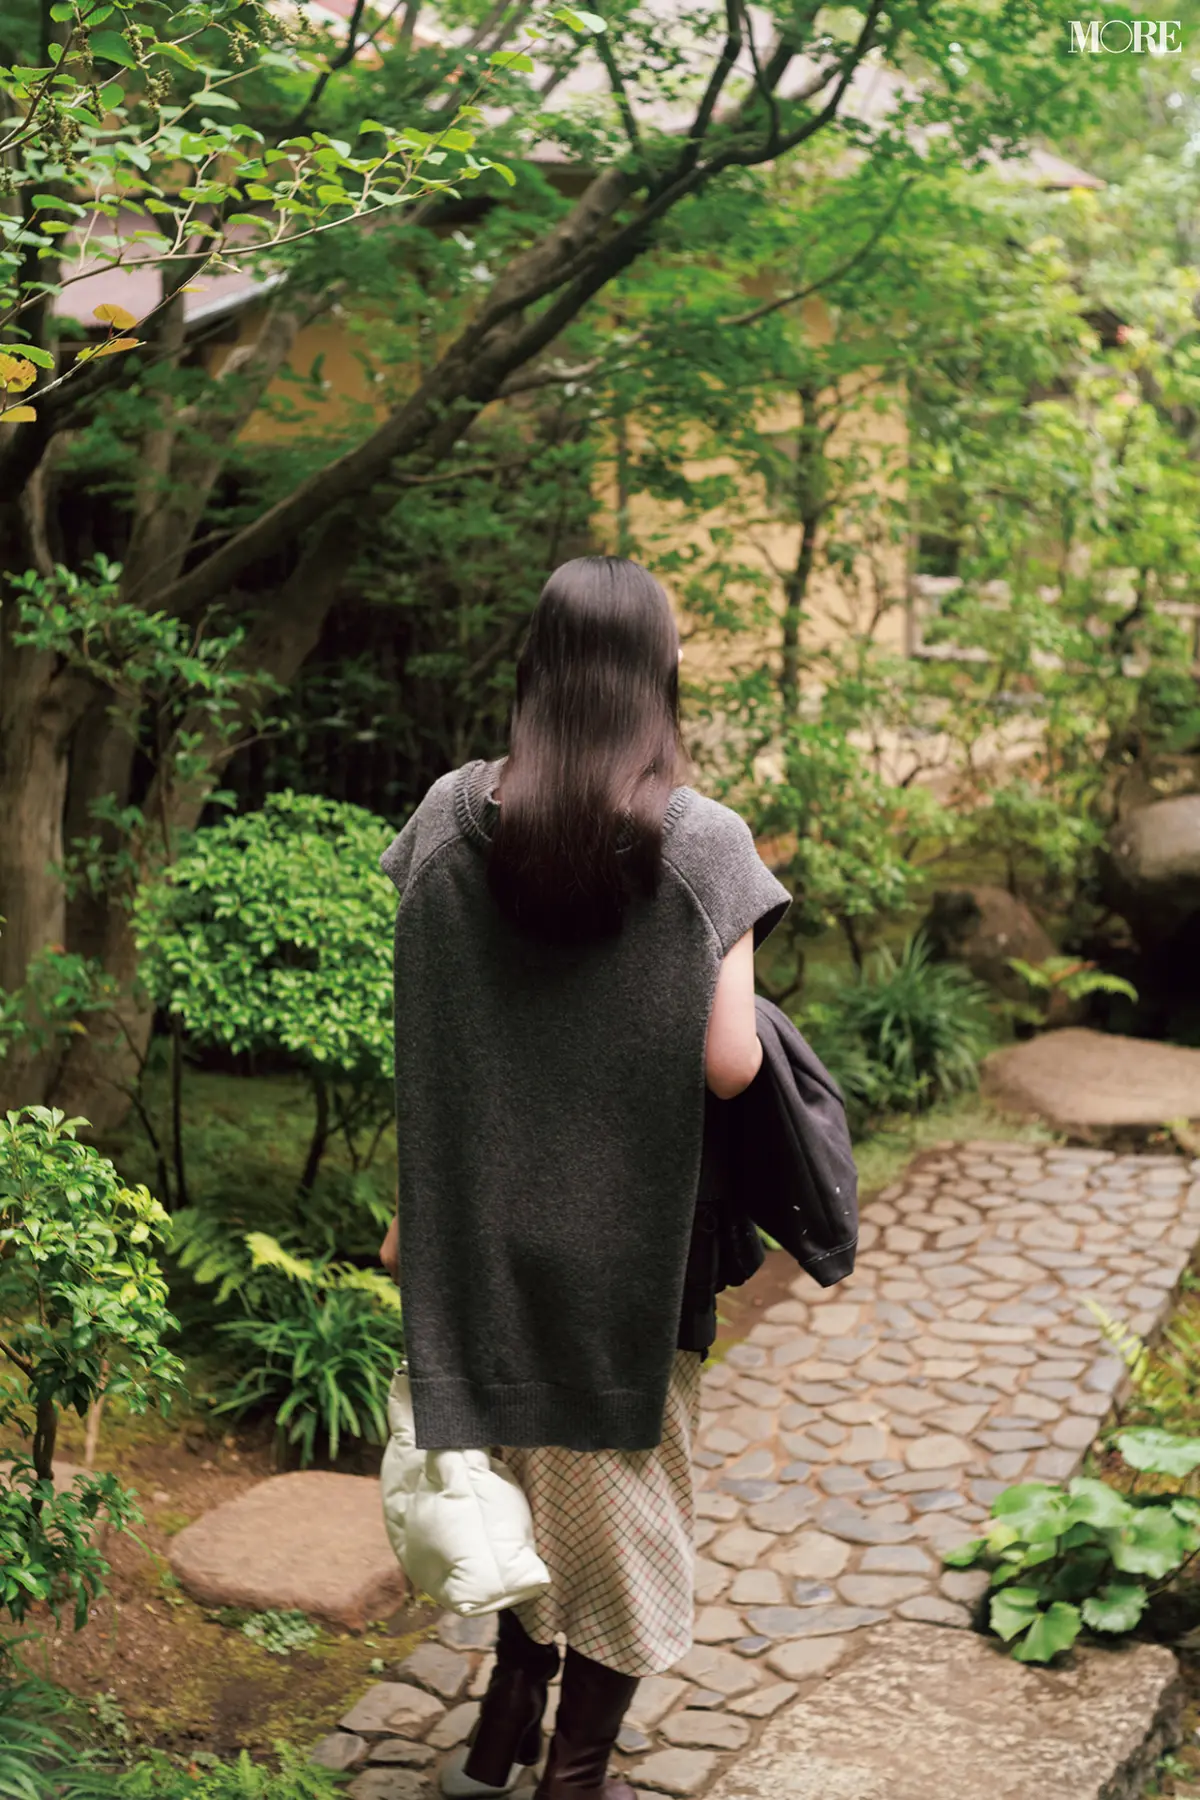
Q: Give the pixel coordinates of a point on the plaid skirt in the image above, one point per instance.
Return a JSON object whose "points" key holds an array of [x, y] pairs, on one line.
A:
{"points": [[615, 1529]]}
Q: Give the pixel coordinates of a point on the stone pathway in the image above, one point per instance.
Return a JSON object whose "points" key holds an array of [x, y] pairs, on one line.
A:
{"points": [[855, 1435]]}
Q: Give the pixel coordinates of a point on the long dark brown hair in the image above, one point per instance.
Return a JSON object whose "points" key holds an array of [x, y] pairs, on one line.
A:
{"points": [[593, 754]]}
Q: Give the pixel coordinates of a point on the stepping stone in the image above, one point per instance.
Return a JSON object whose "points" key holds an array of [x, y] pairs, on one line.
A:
{"points": [[765, 1701], [679, 1772], [924, 1712], [340, 1750], [1076, 1077], [705, 1730], [653, 1700], [444, 1672], [389, 1784], [454, 1726], [401, 1750], [311, 1541], [395, 1707], [800, 1661], [814, 1556]]}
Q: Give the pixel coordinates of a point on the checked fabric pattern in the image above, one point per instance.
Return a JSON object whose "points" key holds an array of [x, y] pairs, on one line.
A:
{"points": [[614, 1528]]}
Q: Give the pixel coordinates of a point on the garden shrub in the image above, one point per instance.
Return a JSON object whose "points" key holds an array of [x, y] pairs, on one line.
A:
{"points": [[272, 932], [83, 1314], [319, 1347], [905, 1034]]}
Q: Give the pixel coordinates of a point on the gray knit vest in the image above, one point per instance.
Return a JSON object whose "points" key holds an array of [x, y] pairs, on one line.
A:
{"points": [[549, 1114]]}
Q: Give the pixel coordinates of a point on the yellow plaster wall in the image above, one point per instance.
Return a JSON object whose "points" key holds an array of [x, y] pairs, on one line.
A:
{"points": [[833, 608]]}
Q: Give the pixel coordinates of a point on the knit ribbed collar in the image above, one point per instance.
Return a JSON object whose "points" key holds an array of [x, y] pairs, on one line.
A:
{"points": [[477, 813]]}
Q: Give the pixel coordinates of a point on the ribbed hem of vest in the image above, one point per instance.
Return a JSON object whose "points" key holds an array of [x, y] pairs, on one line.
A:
{"points": [[476, 814], [460, 1415]]}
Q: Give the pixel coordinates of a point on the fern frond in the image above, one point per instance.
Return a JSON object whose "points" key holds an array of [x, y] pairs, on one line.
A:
{"points": [[381, 1287], [267, 1252], [1133, 1350]]}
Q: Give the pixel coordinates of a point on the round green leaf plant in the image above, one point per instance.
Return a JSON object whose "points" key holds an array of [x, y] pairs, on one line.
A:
{"points": [[1084, 1556]]}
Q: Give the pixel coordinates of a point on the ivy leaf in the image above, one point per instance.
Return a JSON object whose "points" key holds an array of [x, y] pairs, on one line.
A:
{"points": [[1051, 1633], [1117, 1607], [112, 46]]}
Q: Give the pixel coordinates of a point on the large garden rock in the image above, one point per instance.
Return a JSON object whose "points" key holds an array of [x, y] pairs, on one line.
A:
{"points": [[1083, 1078], [982, 927], [924, 1713], [1152, 867], [313, 1541]]}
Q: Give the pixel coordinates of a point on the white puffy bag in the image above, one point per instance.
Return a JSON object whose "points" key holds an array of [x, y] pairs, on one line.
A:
{"points": [[458, 1520]]}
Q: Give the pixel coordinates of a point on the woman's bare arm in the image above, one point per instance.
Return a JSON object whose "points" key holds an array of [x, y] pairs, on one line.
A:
{"points": [[732, 1051]]}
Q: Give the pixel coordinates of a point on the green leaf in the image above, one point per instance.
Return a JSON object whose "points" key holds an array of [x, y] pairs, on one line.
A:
{"points": [[176, 53], [111, 45], [1117, 1607], [964, 1555], [1012, 1609], [1154, 1543], [1160, 1452], [575, 20], [1051, 1633], [1095, 1503], [31, 352], [512, 59]]}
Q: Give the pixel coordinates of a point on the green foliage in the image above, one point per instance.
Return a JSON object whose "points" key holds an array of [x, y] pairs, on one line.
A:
{"points": [[1084, 1556], [1072, 977], [83, 1306], [45, 1754], [281, 1632], [131, 132], [157, 1776], [42, 1756], [272, 932], [60, 991], [907, 1033], [320, 1349], [1165, 1378]]}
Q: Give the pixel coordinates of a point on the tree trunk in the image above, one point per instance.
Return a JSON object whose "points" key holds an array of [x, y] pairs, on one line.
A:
{"points": [[810, 506], [100, 1070], [45, 1436], [36, 721]]}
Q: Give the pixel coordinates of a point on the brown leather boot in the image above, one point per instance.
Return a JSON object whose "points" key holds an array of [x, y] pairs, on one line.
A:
{"points": [[508, 1734], [592, 1704]]}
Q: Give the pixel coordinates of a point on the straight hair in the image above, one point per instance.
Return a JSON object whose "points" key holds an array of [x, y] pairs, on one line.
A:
{"points": [[594, 751]]}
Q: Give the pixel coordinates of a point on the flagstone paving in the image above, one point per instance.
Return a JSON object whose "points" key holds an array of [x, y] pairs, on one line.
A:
{"points": [[855, 1435]]}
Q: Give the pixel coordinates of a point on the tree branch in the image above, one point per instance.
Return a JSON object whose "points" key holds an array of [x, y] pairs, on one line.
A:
{"points": [[837, 273], [621, 94], [26, 1368], [730, 50], [345, 55]]}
